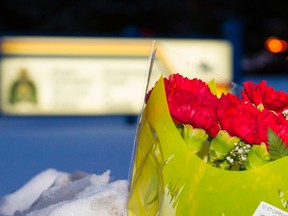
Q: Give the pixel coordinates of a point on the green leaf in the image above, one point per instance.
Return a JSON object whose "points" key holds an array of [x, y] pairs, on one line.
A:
{"points": [[276, 148], [194, 137], [213, 87], [257, 156], [221, 145]]}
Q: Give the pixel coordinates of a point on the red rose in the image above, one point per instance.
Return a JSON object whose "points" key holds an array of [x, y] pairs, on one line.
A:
{"points": [[191, 102], [270, 120], [245, 121], [283, 134], [241, 119], [180, 83], [279, 126], [260, 93]]}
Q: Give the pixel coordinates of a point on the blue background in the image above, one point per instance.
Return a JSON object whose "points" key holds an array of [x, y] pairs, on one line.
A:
{"points": [[92, 144]]}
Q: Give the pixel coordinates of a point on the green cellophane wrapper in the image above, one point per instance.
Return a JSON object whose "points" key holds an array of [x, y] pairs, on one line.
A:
{"points": [[169, 179]]}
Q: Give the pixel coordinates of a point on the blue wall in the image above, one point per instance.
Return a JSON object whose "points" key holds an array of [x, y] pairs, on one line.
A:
{"points": [[29, 145]]}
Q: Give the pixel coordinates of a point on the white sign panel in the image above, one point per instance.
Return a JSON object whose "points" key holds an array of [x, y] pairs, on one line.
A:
{"points": [[58, 76], [69, 86]]}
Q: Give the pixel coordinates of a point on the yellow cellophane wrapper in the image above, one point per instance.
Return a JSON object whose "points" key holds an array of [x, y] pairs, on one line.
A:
{"points": [[168, 179]]}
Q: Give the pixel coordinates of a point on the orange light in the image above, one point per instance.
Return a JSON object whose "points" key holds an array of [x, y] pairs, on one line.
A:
{"points": [[276, 45]]}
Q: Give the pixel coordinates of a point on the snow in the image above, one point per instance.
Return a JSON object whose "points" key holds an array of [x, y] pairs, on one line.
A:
{"points": [[57, 193]]}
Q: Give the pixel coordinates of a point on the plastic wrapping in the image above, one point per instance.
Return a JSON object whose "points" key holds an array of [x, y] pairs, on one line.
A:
{"points": [[167, 178]]}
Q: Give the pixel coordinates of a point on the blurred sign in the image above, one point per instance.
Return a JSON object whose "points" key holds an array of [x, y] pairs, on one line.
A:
{"points": [[90, 76]]}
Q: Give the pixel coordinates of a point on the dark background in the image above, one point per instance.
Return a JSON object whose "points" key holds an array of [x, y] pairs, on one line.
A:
{"points": [[255, 22]]}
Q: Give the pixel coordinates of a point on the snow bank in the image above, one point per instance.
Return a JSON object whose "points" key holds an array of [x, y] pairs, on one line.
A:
{"points": [[55, 193]]}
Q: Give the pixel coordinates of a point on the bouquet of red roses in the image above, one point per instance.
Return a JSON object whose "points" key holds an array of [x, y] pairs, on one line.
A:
{"points": [[202, 152], [240, 133]]}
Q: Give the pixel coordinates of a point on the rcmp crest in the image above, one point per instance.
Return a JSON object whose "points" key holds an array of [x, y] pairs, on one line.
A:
{"points": [[23, 89]]}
